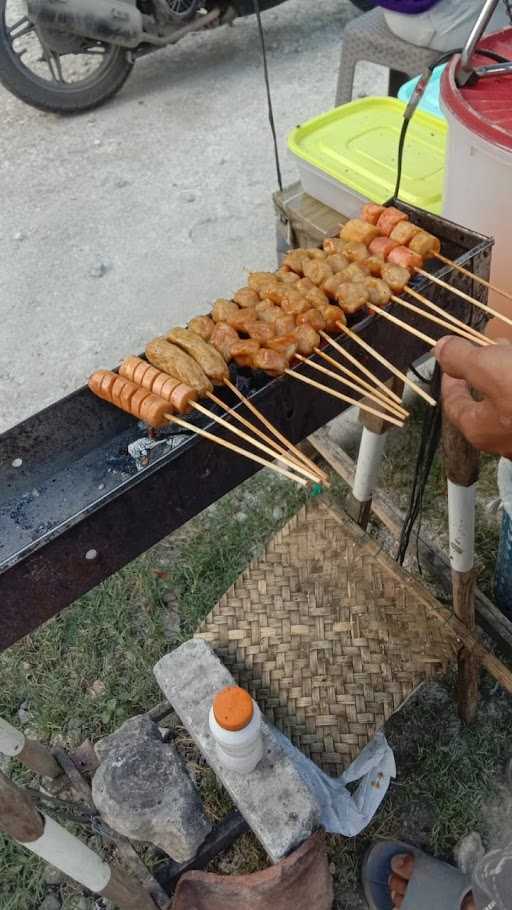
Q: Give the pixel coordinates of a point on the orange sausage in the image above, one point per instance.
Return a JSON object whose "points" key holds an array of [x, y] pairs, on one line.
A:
{"points": [[389, 219], [167, 387], [371, 212], [130, 397], [402, 255]]}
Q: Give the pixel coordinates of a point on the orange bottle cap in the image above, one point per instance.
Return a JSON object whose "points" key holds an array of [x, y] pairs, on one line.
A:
{"points": [[233, 708]]}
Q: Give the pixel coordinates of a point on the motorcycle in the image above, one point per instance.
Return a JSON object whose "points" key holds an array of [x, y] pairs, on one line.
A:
{"points": [[66, 56]]}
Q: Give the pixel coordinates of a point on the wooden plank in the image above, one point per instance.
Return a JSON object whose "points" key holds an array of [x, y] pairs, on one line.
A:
{"points": [[490, 618]]}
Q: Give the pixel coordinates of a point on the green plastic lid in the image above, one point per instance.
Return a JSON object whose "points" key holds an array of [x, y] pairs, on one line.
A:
{"points": [[357, 144]]}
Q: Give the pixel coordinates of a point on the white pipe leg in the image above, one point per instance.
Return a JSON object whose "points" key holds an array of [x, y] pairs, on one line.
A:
{"points": [[12, 740], [369, 459], [64, 851], [461, 523]]}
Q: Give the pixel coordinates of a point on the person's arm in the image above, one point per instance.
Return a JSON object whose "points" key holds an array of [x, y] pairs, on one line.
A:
{"points": [[487, 424]]}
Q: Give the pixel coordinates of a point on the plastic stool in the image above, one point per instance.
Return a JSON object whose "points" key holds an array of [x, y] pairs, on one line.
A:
{"points": [[368, 38]]}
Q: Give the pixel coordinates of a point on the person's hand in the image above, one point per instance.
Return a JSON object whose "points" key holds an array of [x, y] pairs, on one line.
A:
{"points": [[487, 424]]}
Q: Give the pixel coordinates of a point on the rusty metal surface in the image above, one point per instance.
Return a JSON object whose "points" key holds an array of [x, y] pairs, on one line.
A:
{"points": [[75, 509]]}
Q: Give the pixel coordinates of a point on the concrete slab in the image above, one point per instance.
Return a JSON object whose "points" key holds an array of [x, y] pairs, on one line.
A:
{"points": [[273, 799]]}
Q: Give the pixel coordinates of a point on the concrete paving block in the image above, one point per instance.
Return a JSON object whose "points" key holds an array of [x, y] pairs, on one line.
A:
{"points": [[273, 799], [143, 791]]}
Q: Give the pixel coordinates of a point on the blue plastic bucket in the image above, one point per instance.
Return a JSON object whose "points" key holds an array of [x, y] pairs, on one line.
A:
{"points": [[430, 100], [504, 567]]}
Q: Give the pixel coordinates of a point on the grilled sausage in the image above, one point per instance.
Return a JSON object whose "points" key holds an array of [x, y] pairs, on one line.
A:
{"points": [[382, 246], [402, 255], [202, 326], [371, 212], [172, 360], [172, 390], [358, 231], [389, 219], [223, 338], [130, 397], [203, 353]]}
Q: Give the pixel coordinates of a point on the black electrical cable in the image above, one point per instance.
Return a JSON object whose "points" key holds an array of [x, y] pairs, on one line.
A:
{"points": [[269, 94]]}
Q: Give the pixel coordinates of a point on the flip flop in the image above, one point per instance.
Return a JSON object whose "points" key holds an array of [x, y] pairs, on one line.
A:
{"points": [[433, 883]]}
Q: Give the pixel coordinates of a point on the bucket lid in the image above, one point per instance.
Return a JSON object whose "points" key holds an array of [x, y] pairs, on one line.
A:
{"points": [[233, 708], [484, 107]]}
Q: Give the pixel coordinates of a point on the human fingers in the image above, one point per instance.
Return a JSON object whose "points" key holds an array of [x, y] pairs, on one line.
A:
{"points": [[489, 370], [397, 885], [480, 422], [402, 864]]}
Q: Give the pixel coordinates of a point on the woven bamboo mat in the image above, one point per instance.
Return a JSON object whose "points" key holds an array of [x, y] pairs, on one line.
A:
{"points": [[328, 635]]}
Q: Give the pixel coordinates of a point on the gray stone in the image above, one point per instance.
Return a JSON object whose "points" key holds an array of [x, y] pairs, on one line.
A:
{"points": [[50, 902], [143, 791], [53, 876], [468, 852], [100, 268], [273, 799]]}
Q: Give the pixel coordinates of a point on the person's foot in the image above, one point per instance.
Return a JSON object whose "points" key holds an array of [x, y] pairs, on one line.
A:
{"points": [[403, 865]]}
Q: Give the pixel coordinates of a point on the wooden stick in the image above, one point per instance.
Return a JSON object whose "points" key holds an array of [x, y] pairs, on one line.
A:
{"points": [[460, 268], [351, 401], [351, 385], [255, 442], [452, 327], [289, 459], [471, 300], [363, 384], [270, 426], [445, 315], [389, 366], [403, 325], [233, 448], [350, 357]]}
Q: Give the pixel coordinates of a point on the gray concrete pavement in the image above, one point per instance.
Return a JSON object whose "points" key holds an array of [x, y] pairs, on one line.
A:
{"points": [[169, 186]]}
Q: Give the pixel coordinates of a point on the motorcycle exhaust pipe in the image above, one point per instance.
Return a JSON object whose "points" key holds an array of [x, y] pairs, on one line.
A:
{"points": [[112, 21]]}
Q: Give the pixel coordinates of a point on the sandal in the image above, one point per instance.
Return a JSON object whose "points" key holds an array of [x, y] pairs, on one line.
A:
{"points": [[433, 884]]}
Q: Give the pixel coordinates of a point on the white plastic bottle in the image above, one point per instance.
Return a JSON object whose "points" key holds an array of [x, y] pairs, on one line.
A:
{"points": [[235, 724]]}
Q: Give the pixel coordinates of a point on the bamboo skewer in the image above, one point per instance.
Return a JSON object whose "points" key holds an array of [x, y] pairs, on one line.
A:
{"points": [[366, 386], [279, 450], [460, 268], [471, 300], [338, 347], [351, 385], [254, 442], [389, 366], [234, 448], [453, 327], [403, 325], [289, 447], [445, 315], [346, 398]]}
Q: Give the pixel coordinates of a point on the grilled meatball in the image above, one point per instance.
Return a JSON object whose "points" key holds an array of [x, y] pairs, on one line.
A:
{"points": [[304, 284], [261, 331], [330, 286], [284, 324], [379, 292], [242, 319], [332, 315], [202, 326], [356, 252], [426, 245], [358, 231], [312, 317], [334, 245], [337, 262], [285, 344], [272, 362], [243, 351], [307, 339], [287, 276], [317, 272], [356, 271], [403, 232], [352, 296], [257, 279], [315, 253], [246, 297], [374, 264], [223, 337], [270, 314], [223, 310], [395, 276], [295, 260]]}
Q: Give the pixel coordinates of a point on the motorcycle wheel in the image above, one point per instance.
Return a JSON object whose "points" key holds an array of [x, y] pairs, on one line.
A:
{"points": [[56, 72]]}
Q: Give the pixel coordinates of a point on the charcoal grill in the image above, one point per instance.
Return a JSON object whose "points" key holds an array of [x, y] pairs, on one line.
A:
{"points": [[73, 506]]}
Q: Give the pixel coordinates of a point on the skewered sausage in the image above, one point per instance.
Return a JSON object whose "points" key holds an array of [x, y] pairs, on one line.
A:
{"points": [[334, 245], [261, 331], [379, 292], [172, 360], [403, 232], [130, 397], [172, 390], [372, 212], [223, 338], [389, 219], [202, 326], [425, 244], [358, 231], [223, 309], [317, 272], [356, 252], [405, 257], [395, 276], [246, 297], [307, 339], [203, 353], [352, 296], [243, 351], [312, 317], [272, 362], [382, 246]]}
